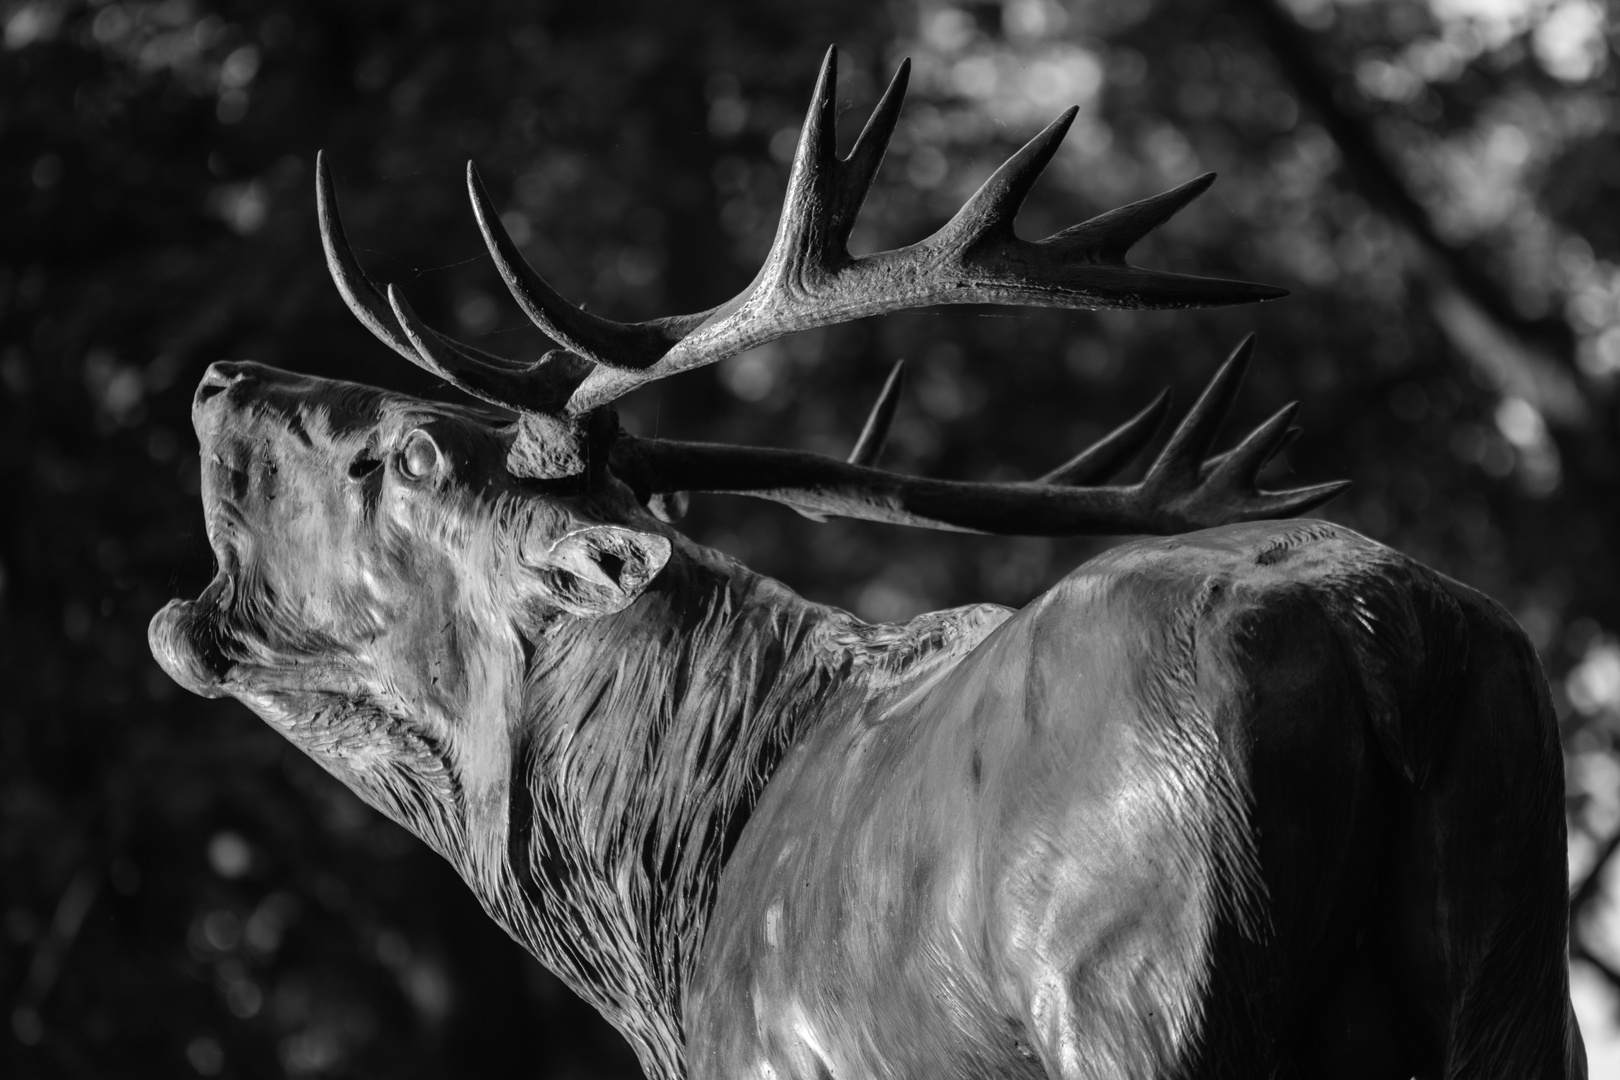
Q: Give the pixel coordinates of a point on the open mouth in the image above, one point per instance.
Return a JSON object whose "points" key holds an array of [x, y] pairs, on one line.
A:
{"points": [[189, 640], [192, 639]]}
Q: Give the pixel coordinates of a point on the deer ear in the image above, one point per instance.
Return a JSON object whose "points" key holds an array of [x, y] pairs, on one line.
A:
{"points": [[599, 569]]}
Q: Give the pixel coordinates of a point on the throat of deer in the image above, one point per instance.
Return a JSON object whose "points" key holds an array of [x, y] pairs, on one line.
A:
{"points": [[646, 738]]}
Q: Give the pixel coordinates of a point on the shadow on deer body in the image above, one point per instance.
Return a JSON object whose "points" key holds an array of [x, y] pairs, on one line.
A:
{"points": [[1266, 799]]}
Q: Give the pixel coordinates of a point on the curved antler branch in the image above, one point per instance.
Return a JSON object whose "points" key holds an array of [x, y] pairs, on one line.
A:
{"points": [[541, 388], [361, 295], [1181, 491], [531, 389], [621, 346]]}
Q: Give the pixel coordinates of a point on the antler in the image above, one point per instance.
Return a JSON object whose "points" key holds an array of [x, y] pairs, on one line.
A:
{"points": [[541, 387], [810, 279], [869, 447], [1181, 491]]}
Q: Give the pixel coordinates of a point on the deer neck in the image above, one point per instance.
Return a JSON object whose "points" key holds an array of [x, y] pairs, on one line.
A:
{"points": [[647, 738]]}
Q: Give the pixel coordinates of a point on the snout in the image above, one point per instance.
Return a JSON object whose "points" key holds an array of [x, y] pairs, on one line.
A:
{"points": [[277, 497], [234, 393], [220, 377], [266, 443], [237, 392], [236, 436], [225, 401]]}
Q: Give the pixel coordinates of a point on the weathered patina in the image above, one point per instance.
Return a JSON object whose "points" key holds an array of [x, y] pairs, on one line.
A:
{"points": [[1265, 799]]}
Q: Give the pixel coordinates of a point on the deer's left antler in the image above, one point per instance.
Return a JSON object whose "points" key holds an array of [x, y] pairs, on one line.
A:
{"points": [[1182, 491]]}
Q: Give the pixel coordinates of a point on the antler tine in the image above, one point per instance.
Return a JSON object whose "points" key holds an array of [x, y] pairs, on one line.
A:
{"points": [[1170, 499], [1243, 462], [1270, 505], [1224, 487], [361, 295], [541, 388], [1179, 461], [626, 346], [824, 193], [876, 432], [861, 166], [1083, 265], [1108, 456], [357, 291], [814, 160], [1109, 236], [1288, 438], [989, 212]]}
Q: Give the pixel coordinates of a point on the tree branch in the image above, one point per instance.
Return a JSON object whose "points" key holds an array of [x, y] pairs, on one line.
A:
{"points": [[1579, 951], [1583, 893], [1295, 52]]}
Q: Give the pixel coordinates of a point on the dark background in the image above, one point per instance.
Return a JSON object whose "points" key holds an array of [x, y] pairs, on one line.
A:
{"points": [[182, 892]]}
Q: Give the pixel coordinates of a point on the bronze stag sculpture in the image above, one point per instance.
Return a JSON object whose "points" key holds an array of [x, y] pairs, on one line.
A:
{"points": [[1258, 800]]}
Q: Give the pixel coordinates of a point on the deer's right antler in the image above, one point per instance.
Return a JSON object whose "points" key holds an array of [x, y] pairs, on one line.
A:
{"points": [[810, 279]]}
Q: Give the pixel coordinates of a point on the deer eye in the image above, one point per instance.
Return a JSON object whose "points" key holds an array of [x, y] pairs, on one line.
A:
{"points": [[420, 455]]}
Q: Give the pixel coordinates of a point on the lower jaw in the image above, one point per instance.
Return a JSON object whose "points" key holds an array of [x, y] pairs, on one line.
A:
{"points": [[185, 640]]}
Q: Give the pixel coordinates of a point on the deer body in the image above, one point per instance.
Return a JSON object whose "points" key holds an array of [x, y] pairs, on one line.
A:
{"points": [[1260, 800], [1142, 829]]}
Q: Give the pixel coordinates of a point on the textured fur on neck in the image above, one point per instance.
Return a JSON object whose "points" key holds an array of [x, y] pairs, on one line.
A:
{"points": [[646, 739]]}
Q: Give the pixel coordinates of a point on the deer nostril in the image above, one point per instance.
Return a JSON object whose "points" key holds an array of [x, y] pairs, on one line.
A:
{"points": [[218, 378]]}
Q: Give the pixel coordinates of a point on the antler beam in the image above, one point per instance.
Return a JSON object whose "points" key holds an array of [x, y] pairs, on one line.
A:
{"points": [[1181, 491]]}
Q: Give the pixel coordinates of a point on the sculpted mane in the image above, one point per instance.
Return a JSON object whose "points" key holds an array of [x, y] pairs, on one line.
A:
{"points": [[631, 781]]}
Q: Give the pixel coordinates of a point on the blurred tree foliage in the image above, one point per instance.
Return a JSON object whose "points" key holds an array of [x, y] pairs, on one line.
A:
{"points": [[182, 892]]}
